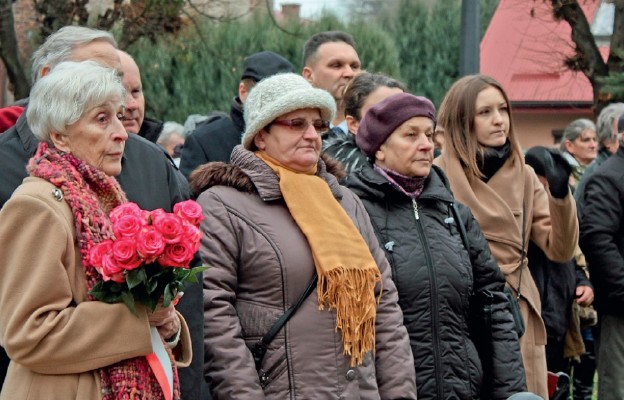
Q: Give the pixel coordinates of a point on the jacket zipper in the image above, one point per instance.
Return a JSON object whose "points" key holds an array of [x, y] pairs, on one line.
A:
{"points": [[434, 302], [267, 377]]}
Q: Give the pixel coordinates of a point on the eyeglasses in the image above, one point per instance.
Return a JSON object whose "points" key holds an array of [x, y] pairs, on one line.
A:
{"points": [[302, 124]]}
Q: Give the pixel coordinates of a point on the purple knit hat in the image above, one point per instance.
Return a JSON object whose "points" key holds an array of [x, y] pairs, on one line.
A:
{"points": [[381, 120]]}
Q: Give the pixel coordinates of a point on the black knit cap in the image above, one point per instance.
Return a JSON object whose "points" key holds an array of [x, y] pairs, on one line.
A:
{"points": [[264, 64], [381, 120]]}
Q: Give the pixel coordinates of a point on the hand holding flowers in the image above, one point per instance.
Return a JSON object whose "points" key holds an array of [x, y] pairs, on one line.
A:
{"points": [[149, 257]]}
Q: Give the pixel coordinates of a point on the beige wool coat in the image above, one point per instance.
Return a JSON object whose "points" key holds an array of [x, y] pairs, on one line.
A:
{"points": [[56, 339], [550, 223]]}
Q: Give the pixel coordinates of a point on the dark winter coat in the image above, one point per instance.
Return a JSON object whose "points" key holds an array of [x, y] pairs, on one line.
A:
{"points": [[438, 281], [213, 141], [149, 179], [151, 129], [342, 147], [556, 283], [602, 233], [579, 192], [260, 263]]}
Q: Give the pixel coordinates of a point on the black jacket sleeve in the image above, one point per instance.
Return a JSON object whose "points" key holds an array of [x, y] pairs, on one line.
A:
{"points": [[601, 237], [193, 154], [501, 358]]}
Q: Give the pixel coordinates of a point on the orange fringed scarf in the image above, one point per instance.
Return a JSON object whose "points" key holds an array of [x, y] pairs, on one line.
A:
{"points": [[347, 271]]}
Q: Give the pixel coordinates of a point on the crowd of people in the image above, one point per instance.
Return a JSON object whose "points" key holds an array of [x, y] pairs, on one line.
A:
{"points": [[360, 244]]}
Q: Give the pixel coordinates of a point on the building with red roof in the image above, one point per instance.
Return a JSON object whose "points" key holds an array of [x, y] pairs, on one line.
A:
{"points": [[524, 48]]}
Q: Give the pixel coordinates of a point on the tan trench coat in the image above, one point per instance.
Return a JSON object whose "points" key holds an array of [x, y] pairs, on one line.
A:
{"points": [[550, 223], [55, 338]]}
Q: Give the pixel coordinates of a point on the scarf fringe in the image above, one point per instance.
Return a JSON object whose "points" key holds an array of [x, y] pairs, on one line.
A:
{"points": [[348, 291]]}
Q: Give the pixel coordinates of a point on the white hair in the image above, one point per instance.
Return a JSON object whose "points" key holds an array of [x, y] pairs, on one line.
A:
{"points": [[59, 46], [60, 98], [605, 132], [575, 129], [170, 128]]}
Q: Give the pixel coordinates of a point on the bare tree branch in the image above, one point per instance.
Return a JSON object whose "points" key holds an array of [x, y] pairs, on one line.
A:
{"points": [[272, 17], [9, 52], [587, 58]]}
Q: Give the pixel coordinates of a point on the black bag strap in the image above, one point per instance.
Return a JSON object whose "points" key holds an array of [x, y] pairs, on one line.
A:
{"points": [[260, 348]]}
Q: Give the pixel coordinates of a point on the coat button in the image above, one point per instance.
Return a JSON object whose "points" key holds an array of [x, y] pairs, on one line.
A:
{"points": [[350, 375], [58, 194]]}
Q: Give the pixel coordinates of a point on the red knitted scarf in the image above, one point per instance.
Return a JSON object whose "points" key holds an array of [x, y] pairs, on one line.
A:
{"points": [[91, 194]]}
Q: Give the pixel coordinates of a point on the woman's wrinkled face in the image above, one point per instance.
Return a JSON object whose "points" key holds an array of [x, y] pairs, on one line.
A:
{"points": [[409, 149], [491, 121], [584, 148], [98, 137], [296, 149]]}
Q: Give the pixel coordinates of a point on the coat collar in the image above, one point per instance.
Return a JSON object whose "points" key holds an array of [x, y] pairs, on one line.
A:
{"points": [[247, 173], [369, 183], [497, 204], [236, 114]]}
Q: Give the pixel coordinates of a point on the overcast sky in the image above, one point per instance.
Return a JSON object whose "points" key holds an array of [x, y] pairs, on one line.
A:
{"points": [[313, 8]]}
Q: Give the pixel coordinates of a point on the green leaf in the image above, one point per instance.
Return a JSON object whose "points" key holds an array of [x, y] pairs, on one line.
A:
{"points": [[129, 300], [168, 295], [136, 277], [107, 292], [193, 274], [151, 285], [150, 302]]}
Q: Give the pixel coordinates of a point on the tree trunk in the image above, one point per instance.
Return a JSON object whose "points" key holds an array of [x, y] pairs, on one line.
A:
{"points": [[588, 58], [9, 51]]}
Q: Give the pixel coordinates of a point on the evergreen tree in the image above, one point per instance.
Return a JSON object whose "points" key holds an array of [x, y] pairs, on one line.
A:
{"points": [[198, 71]]}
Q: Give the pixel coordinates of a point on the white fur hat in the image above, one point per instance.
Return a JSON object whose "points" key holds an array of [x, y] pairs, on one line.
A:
{"points": [[279, 95]]}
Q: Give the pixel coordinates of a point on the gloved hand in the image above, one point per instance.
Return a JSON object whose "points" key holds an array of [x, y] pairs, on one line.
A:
{"points": [[557, 171]]}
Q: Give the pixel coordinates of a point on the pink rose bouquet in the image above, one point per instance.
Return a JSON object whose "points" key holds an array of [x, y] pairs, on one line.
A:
{"points": [[149, 257]]}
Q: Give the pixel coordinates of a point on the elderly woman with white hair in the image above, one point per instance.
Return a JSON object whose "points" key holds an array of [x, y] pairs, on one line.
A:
{"points": [[277, 226], [62, 343]]}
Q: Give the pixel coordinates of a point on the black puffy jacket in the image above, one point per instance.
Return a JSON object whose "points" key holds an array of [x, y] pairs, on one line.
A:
{"points": [[437, 280]]}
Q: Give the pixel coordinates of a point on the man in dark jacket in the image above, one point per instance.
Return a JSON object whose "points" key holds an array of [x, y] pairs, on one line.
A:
{"points": [[214, 140], [602, 242], [609, 127], [147, 177]]}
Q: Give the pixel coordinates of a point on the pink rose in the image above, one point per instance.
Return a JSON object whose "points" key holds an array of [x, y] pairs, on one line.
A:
{"points": [[191, 235], [98, 251], [150, 243], [128, 226], [170, 226], [125, 254], [125, 209], [177, 255], [111, 270], [190, 211], [155, 214]]}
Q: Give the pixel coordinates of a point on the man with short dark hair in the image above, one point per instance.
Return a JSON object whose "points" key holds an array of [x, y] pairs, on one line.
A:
{"points": [[214, 140], [330, 61]]}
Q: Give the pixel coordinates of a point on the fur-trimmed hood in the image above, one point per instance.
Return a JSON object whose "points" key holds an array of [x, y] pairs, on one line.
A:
{"points": [[247, 173]]}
